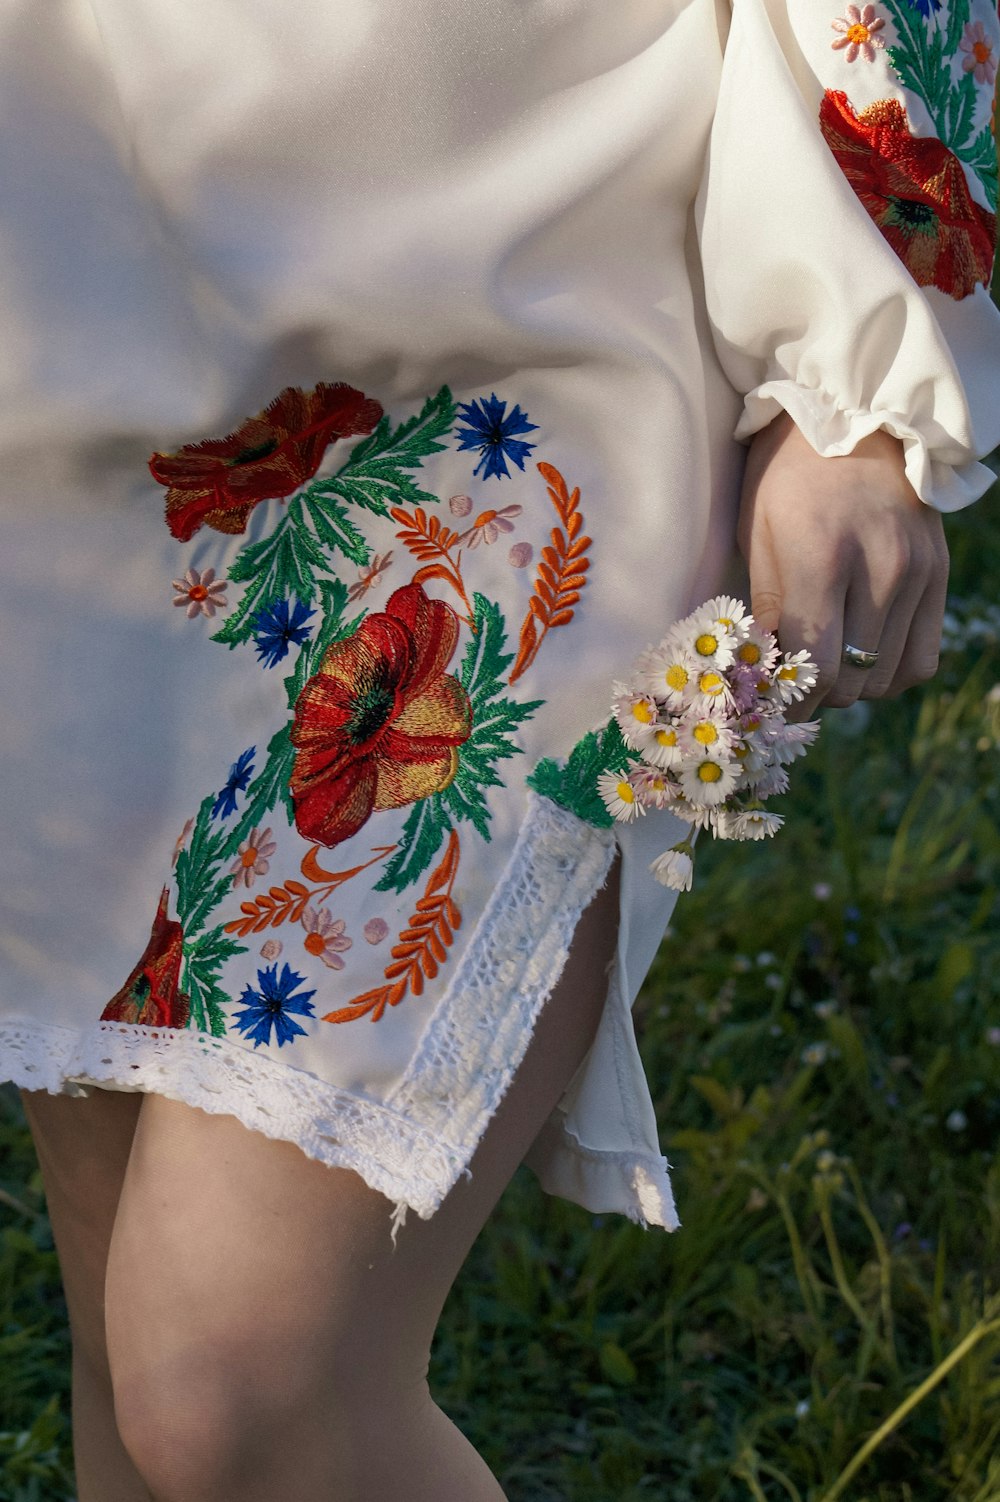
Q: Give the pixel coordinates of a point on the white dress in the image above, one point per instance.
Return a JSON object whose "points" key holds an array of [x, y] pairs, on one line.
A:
{"points": [[442, 323]]}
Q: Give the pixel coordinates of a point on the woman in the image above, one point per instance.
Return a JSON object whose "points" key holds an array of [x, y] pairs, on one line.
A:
{"points": [[447, 330]]}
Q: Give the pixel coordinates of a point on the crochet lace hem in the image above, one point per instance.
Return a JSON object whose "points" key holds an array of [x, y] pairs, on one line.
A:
{"points": [[414, 1146]]}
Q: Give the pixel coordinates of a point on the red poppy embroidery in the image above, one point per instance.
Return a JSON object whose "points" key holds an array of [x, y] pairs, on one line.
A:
{"points": [[221, 480], [150, 996], [915, 190], [380, 724]]}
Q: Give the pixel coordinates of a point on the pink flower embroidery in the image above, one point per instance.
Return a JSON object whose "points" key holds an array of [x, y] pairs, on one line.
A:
{"points": [[858, 28], [460, 505], [978, 49], [369, 576], [182, 840], [520, 554], [202, 593], [271, 948], [488, 525], [325, 937], [254, 857]]}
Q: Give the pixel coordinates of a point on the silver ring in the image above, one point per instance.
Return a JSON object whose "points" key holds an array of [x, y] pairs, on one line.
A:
{"points": [[855, 657]]}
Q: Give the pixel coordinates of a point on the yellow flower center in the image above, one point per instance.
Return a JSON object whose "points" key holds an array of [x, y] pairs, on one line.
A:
{"points": [[791, 673], [315, 943], [752, 722], [705, 733], [709, 771], [666, 737], [724, 620], [249, 857], [706, 645], [710, 683], [858, 34], [742, 751], [749, 652], [676, 676], [658, 784], [642, 712], [626, 792]]}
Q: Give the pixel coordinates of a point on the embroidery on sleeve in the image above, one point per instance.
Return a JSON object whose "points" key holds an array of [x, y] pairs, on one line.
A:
{"points": [[915, 190]]}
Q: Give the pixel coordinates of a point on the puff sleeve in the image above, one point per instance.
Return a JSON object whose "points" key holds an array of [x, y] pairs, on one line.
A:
{"points": [[847, 228]]}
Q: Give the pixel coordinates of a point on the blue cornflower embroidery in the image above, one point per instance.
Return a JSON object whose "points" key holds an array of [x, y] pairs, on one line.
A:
{"points": [[492, 434], [240, 774], [276, 630], [927, 8], [269, 1007]]}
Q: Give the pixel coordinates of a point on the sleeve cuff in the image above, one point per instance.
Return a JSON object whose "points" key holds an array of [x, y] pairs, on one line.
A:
{"points": [[832, 430]]}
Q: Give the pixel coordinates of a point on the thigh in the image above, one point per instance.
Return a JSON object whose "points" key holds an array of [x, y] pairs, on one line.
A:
{"points": [[232, 1243], [83, 1146]]}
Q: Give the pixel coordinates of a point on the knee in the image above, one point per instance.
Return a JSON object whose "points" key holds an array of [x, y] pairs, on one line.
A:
{"points": [[203, 1425]]}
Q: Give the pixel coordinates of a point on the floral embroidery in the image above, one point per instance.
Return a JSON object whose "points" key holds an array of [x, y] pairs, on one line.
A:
{"points": [[562, 572], [375, 930], [427, 539], [378, 725], [219, 481], [269, 1008], [276, 630], [239, 777], [270, 949], [421, 949], [489, 525], [254, 857], [287, 903], [926, 56], [460, 505], [369, 577], [201, 592], [915, 191], [325, 937], [492, 433], [151, 996], [979, 59], [858, 28], [520, 555]]}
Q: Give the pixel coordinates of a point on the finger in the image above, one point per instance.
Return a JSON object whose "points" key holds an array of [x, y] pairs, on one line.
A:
{"points": [[881, 599], [812, 618], [919, 658]]}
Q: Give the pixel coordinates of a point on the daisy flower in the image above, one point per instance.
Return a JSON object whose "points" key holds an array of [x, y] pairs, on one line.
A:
{"points": [[669, 671], [711, 643], [709, 781], [729, 612], [663, 749], [674, 868], [755, 824], [254, 857], [758, 649], [325, 937], [978, 49], [619, 796], [636, 714], [200, 592], [768, 781], [705, 735], [710, 689], [653, 789], [794, 676], [787, 742]]}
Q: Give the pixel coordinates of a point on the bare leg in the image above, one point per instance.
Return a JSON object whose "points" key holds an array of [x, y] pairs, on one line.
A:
{"points": [[83, 1148], [266, 1340]]}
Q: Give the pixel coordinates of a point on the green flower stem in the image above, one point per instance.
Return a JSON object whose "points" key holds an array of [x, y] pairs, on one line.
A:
{"points": [[979, 1331]]}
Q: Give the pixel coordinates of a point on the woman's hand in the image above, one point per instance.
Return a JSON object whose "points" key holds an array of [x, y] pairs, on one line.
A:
{"points": [[843, 550]]}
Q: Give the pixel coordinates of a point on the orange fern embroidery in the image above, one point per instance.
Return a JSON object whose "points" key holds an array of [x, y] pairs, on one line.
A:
{"points": [[562, 573], [422, 947], [431, 542], [286, 904]]}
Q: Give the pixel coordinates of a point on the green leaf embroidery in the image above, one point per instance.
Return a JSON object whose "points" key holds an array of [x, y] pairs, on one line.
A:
{"points": [[282, 564], [426, 826], [200, 979], [375, 476], [574, 786]]}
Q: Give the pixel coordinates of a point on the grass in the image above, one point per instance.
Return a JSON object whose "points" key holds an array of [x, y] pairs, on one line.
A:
{"points": [[822, 1034]]}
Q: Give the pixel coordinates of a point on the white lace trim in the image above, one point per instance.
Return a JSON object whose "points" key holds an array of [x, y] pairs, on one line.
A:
{"points": [[414, 1147]]}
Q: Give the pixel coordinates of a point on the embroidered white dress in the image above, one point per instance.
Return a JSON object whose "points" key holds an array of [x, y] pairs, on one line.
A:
{"points": [[442, 323]]}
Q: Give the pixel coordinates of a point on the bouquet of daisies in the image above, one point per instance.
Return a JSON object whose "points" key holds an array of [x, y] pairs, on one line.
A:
{"points": [[703, 713]]}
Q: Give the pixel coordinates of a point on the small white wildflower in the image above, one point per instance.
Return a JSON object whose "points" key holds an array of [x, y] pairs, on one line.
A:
{"points": [[825, 1009], [822, 891], [802, 1408], [815, 1054], [636, 714], [674, 868], [755, 824], [956, 1121], [663, 749], [709, 781], [793, 677]]}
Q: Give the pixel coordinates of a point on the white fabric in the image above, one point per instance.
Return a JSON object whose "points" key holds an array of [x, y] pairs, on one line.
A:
{"points": [[608, 215]]}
